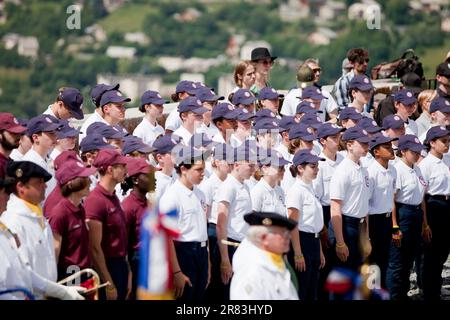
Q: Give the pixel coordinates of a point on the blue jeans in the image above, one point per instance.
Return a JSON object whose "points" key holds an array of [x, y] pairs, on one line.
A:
{"points": [[380, 233], [351, 229], [214, 292], [409, 219]]}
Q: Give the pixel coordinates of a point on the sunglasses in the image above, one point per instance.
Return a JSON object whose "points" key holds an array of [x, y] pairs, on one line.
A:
{"points": [[266, 62], [317, 70]]}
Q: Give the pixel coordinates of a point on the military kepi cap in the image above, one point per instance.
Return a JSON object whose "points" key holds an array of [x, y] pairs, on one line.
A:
{"points": [[269, 219], [24, 170]]}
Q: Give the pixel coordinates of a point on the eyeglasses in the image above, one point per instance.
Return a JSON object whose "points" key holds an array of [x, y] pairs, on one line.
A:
{"points": [[266, 62], [317, 70]]}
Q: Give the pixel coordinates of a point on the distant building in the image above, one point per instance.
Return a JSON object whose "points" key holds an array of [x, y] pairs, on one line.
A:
{"points": [[170, 64], [188, 15], [120, 52], [111, 5], [137, 37], [97, 32], [28, 47], [428, 5], [225, 85], [323, 36], [196, 77], [445, 24], [331, 10], [10, 40], [133, 86], [247, 48], [363, 10], [294, 10]]}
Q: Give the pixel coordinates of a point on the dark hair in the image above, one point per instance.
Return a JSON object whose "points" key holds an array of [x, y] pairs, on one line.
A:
{"points": [[357, 54], [294, 144], [175, 97], [230, 96], [239, 70], [188, 163], [126, 185], [74, 185], [398, 153], [293, 169]]}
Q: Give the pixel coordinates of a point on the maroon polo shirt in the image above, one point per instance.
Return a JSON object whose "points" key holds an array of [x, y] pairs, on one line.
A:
{"points": [[104, 206], [134, 208], [69, 222], [52, 200], [3, 162]]}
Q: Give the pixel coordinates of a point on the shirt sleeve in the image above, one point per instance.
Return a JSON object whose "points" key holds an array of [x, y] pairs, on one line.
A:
{"points": [[94, 209], [294, 199], [318, 184], [57, 221], [255, 195], [337, 186], [226, 193], [206, 188], [167, 202], [290, 103]]}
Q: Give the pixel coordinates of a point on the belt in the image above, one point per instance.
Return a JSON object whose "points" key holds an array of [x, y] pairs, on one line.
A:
{"points": [[410, 206], [384, 215], [437, 197], [211, 224], [353, 219], [315, 235], [192, 244]]}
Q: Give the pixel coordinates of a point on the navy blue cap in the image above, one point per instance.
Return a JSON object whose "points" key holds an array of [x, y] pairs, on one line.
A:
{"points": [[73, 100], [201, 140], [269, 219], [23, 122], [243, 96], [405, 96], [66, 131], [113, 96], [350, 113], [224, 110], [164, 144], [302, 131], [380, 138], [24, 170], [361, 82], [206, 94], [410, 142], [266, 124], [264, 113], [191, 104], [244, 114], [223, 151], [312, 92], [369, 125], [184, 154], [100, 89], [307, 107], [311, 120], [152, 97], [247, 151], [186, 86], [43, 123], [393, 121], [107, 131], [94, 141], [436, 132], [271, 157], [305, 156], [269, 93], [287, 122], [356, 133], [440, 104], [132, 143], [328, 129]]}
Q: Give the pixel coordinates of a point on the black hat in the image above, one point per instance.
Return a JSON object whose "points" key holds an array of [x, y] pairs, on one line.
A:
{"points": [[24, 170], [260, 54], [269, 219], [443, 69]]}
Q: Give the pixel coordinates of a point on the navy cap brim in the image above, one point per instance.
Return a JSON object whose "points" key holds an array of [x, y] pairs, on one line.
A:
{"points": [[232, 115], [248, 101], [200, 110], [375, 143], [245, 116], [145, 149], [71, 133], [77, 113], [364, 139], [408, 101], [52, 127]]}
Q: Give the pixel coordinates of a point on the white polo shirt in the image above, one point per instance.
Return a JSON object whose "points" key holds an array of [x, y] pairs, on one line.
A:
{"points": [[173, 121], [184, 134], [410, 184], [411, 127], [322, 183], [268, 199], [381, 188], [350, 183], [218, 138], [34, 157], [301, 197], [94, 117], [436, 174], [251, 183], [237, 196], [16, 155], [191, 208], [210, 130], [163, 181], [147, 131], [209, 188]]}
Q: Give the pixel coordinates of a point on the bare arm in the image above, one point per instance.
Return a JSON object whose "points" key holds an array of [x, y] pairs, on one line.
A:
{"points": [[221, 228], [299, 260]]}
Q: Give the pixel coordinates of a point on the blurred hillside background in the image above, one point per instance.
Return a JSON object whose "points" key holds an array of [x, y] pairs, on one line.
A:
{"points": [[151, 44]]}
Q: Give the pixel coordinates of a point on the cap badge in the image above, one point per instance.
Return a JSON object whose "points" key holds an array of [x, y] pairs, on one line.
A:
{"points": [[272, 114], [374, 123], [309, 130], [19, 173], [273, 90], [385, 134], [244, 110], [194, 86], [416, 140], [173, 141], [442, 128], [364, 132], [396, 118], [15, 121], [104, 140], [158, 95], [409, 94], [247, 94], [318, 91], [48, 120], [118, 94], [199, 102], [447, 103], [267, 222], [230, 107], [275, 124], [366, 80]]}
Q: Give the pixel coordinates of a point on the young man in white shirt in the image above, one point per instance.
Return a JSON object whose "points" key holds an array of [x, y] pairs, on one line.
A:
{"points": [[405, 104], [191, 114], [152, 106], [68, 104]]}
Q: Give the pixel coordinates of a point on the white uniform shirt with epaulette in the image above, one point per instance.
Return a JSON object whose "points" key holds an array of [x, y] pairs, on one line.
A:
{"points": [[191, 208], [350, 184], [13, 273], [35, 235], [268, 199], [260, 275], [147, 131], [322, 183], [237, 196], [410, 184], [381, 188], [301, 196], [46, 164], [209, 188], [436, 174]]}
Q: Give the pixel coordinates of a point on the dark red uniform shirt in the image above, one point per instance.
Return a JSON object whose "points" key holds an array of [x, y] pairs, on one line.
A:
{"points": [[52, 200], [104, 206], [69, 222], [3, 162], [134, 208]]}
